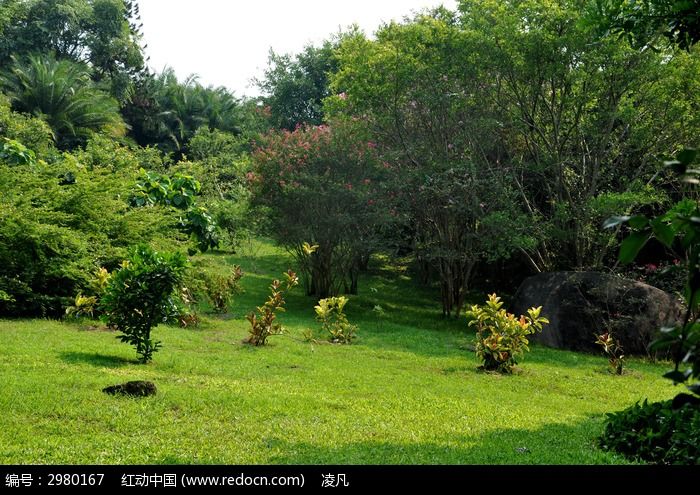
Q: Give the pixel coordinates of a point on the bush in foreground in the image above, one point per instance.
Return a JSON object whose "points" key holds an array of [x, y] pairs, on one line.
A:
{"points": [[140, 295], [658, 432]]}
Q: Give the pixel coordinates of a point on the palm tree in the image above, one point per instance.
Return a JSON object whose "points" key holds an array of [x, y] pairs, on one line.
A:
{"points": [[166, 112], [188, 106], [62, 93]]}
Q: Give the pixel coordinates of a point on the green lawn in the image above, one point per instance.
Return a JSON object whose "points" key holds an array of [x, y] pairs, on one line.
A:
{"points": [[408, 391]]}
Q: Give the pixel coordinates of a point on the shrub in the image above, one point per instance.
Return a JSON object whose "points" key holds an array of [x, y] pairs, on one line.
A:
{"points": [[52, 235], [85, 306], [614, 351], [199, 224], [15, 153], [500, 336], [263, 324], [221, 289], [88, 306], [333, 320], [658, 432], [141, 294], [32, 132], [153, 188], [178, 192]]}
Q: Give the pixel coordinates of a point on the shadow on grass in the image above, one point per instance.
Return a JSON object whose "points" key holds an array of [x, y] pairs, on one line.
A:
{"points": [[95, 359], [555, 443]]}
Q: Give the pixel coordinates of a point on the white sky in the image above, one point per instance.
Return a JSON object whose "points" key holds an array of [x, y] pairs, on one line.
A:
{"points": [[226, 42]]}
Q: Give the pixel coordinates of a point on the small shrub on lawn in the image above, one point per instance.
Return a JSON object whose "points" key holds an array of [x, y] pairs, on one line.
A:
{"points": [[613, 350], [263, 324], [656, 433], [84, 306], [329, 312], [500, 336], [140, 295]]}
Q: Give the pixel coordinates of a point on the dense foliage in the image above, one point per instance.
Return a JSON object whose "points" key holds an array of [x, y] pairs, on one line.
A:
{"points": [[178, 192], [62, 93], [515, 128], [677, 229], [101, 33], [645, 21], [141, 294], [64, 215], [167, 113], [655, 432]]}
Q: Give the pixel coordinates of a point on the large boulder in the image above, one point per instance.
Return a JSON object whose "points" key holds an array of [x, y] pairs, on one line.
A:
{"points": [[581, 305]]}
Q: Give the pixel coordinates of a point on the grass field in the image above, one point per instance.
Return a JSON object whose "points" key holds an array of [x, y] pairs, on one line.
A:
{"points": [[408, 391]]}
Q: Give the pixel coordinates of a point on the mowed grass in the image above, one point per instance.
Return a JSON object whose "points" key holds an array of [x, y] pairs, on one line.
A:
{"points": [[408, 391]]}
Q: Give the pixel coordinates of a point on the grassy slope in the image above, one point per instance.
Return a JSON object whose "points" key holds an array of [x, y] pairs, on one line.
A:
{"points": [[407, 392]]}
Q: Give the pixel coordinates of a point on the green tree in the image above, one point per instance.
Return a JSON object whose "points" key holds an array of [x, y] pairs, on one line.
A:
{"points": [[321, 189], [295, 86], [645, 21], [101, 33], [583, 115], [61, 93], [422, 97], [140, 295]]}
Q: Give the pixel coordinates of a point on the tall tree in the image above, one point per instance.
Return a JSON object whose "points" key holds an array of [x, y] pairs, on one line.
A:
{"points": [[102, 33], [295, 86], [530, 112], [585, 114], [420, 93]]}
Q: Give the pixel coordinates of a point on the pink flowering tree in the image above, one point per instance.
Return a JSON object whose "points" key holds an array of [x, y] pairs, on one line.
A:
{"points": [[321, 189]]}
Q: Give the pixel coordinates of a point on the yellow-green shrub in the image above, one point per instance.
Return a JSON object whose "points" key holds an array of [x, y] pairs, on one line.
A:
{"points": [[501, 337], [329, 312]]}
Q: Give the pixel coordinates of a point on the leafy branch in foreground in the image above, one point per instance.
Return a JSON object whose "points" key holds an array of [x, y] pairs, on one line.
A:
{"points": [[677, 228]]}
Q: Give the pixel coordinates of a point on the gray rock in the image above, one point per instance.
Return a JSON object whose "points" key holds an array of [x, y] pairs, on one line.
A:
{"points": [[132, 389], [581, 305]]}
